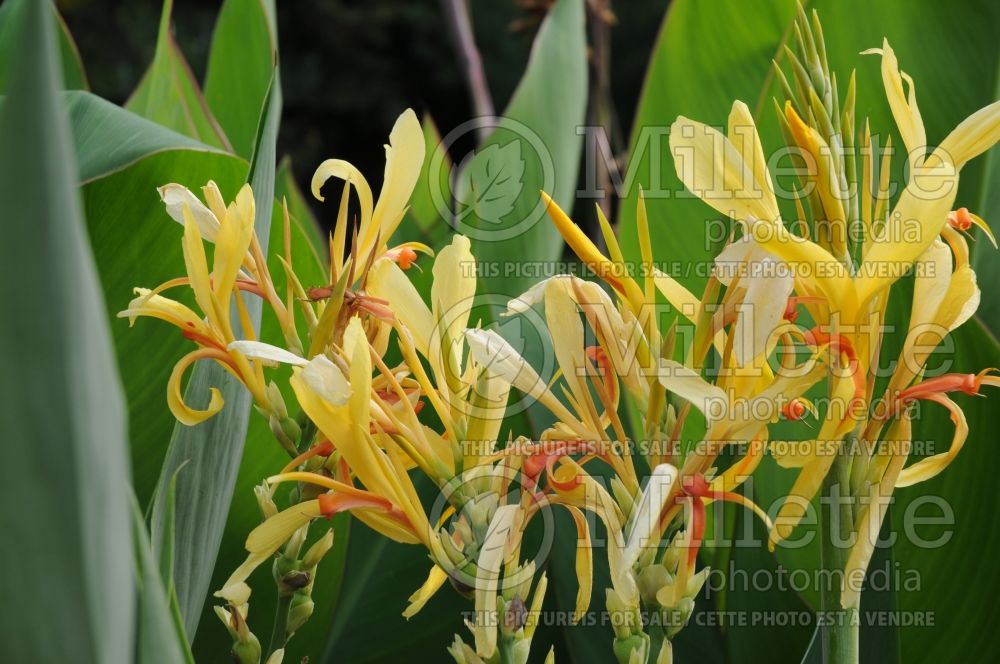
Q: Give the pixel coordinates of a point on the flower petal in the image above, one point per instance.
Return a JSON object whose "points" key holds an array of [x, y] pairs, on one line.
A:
{"points": [[266, 353], [175, 197]]}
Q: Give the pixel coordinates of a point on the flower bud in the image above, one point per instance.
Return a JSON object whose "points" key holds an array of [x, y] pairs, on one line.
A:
{"points": [[300, 610], [513, 615], [265, 501], [316, 552]]}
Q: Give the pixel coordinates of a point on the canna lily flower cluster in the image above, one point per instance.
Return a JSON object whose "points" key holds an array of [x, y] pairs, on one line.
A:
{"points": [[387, 387]]}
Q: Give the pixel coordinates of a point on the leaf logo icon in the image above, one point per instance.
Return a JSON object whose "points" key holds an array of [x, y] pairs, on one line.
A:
{"points": [[495, 180]]}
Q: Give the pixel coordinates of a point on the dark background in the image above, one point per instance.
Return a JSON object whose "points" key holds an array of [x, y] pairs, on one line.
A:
{"points": [[350, 67]]}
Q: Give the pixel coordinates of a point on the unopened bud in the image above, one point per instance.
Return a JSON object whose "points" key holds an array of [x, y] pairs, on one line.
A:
{"points": [[265, 500], [514, 614], [651, 580], [276, 401], [316, 552], [299, 612]]}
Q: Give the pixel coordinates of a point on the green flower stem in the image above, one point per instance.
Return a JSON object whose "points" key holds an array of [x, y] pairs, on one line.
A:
{"points": [[278, 632], [840, 626]]}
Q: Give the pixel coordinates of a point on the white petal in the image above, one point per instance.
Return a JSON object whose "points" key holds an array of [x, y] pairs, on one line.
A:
{"points": [[647, 515], [495, 354], [266, 353], [327, 380], [175, 197]]}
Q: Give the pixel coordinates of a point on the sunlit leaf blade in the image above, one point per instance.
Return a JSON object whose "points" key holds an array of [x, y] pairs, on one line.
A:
{"points": [[240, 64], [64, 504], [74, 77], [108, 138], [168, 93], [211, 451]]}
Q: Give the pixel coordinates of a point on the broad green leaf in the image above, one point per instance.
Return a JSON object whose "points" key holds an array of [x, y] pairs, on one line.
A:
{"points": [[239, 70], [158, 638], [74, 77], [211, 451], [65, 564], [98, 123], [168, 93], [536, 146]]}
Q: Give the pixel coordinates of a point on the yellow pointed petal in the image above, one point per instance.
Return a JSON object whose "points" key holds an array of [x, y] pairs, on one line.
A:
{"points": [[452, 294], [713, 168], [584, 563], [742, 132], [196, 265], [914, 224], [904, 107], [387, 281], [688, 384], [435, 579], [232, 244], [404, 157], [972, 137]]}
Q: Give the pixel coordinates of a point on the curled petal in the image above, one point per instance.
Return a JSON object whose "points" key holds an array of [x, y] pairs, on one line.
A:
{"points": [[175, 399], [933, 465]]}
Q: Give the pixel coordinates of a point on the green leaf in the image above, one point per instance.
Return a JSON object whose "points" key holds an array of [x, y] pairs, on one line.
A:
{"points": [[98, 123], [159, 638], [240, 64], [211, 451], [73, 78], [168, 93], [535, 145], [65, 566]]}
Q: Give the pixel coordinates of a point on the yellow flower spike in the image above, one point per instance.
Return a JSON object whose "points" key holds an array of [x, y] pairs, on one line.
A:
{"points": [[175, 398], [896, 449]]}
